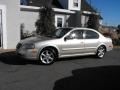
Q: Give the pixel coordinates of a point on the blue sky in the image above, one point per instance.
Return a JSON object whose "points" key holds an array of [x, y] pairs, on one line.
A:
{"points": [[109, 9]]}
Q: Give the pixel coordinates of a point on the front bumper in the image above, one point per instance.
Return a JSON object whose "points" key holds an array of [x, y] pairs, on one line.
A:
{"points": [[30, 54]]}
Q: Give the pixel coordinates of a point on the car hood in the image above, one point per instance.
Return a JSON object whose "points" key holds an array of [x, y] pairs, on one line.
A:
{"points": [[36, 39]]}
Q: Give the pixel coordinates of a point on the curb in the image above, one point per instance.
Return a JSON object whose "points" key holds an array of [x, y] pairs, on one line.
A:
{"points": [[7, 50]]}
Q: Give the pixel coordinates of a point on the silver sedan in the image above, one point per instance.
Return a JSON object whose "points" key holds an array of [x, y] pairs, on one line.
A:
{"points": [[64, 42]]}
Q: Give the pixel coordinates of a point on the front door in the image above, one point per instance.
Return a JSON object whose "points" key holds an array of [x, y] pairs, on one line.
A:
{"points": [[74, 43], [0, 27]]}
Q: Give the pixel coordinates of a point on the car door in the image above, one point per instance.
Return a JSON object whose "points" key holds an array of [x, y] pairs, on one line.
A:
{"points": [[91, 41], [73, 43]]}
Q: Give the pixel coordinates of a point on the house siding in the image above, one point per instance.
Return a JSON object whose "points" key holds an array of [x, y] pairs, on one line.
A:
{"points": [[13, 24], [28, 19], [29, 23], [75, 20], [84, 20]]}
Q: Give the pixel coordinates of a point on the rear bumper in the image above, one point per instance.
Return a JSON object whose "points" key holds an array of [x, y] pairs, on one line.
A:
{"points": [[110, 47]]}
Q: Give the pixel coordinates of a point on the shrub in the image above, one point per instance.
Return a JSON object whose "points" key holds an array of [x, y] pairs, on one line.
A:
{"points": [[21, 30], [93, 22], [45, 23], [116, 42]]}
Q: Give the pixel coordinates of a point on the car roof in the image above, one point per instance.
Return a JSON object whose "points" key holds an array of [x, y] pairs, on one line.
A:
{"points": [[65, 28], [78, 28]]}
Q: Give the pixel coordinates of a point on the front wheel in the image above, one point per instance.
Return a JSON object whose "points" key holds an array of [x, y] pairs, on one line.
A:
{"points": [[101, 52], [47, 56]]}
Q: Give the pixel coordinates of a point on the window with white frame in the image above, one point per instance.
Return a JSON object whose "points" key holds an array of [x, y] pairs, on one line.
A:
{"points": [[59, 22], [75, 3]]}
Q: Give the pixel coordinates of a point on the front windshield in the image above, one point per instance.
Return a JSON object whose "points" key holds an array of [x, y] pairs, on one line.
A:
{"points": [[60, 32]]}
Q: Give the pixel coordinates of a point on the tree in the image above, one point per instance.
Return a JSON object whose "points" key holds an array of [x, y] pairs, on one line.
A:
{"points": [[118, 29], [93, 22], [22, 26], [45, 23]]}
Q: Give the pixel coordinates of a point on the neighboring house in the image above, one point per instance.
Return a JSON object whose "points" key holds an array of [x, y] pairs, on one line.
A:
{"points": [[14, 13]]}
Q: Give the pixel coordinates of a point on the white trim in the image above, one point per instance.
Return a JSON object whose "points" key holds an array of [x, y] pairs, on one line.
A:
{"points": [[29, 7], [63, 11], [4, 31], [88, 12], [37, 8], [60, 16]]}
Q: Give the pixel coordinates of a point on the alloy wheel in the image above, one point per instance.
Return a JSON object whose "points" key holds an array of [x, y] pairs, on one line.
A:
{"points": [[101, 52], [47, 56]]}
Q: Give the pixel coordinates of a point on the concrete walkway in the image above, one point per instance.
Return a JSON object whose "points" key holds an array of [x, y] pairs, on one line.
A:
{"points": [[6, 50]]}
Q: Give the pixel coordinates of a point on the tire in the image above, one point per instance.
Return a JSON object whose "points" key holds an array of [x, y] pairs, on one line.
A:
{"points": [[101, 52], [47, 56]]}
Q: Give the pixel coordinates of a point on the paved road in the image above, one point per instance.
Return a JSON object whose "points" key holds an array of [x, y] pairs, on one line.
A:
{"points": [[81, 73]]}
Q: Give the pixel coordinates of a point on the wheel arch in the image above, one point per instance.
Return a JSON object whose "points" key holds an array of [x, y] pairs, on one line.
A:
{"points": [[49, 47], [102, 45]]}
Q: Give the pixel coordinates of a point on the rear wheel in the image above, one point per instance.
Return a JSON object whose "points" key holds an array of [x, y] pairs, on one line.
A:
{"points": [[47, 56], [101, 52]]}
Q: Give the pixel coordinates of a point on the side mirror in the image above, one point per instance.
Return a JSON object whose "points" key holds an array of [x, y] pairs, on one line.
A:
{"points": [[67, 38]]}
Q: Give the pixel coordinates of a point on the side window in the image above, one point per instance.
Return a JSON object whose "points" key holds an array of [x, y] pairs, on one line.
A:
{"points": [[77, 34], [91, 35]]}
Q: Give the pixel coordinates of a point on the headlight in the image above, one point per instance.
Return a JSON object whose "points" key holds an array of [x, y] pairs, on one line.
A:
{"points": [[28, 46]]}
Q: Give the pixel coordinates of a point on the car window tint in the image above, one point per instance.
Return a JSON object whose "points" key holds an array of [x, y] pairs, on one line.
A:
{"points": [[77, 34], [60, 32], [91, 35]]}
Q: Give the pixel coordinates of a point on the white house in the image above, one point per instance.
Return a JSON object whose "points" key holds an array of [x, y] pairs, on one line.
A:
{"points": [[14, 13]]}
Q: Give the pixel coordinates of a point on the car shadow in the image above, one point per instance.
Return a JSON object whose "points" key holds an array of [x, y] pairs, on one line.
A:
{"points": [[12, 59], [97, 78]]}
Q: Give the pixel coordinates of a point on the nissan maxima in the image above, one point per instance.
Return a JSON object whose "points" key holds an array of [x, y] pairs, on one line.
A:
{"points": [[64, 42]]}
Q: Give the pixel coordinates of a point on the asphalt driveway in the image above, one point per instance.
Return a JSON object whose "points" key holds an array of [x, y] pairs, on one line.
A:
{"points": [[81, 73]]}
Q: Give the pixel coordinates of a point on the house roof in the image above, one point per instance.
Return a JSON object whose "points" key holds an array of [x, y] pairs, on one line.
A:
{"points": [[48, 3], [39, 3], [56, 4], [85, 6]]}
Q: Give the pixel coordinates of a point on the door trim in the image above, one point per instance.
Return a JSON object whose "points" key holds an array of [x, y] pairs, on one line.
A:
{"points": [[1, 29], [56, 20], [4, 28]]}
